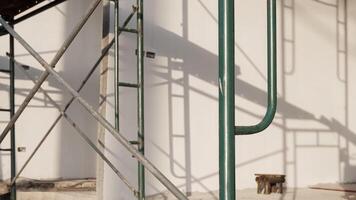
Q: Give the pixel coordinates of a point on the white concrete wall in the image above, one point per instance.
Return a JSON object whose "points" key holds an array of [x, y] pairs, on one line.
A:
{"points": [[64, 154], [312, 139]]}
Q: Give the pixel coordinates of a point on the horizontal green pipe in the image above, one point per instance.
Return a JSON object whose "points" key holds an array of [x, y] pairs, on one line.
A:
{"points": [[5, 71], [272, 75], [1, 149], [128, 30], [131, 85], [134, 142]]}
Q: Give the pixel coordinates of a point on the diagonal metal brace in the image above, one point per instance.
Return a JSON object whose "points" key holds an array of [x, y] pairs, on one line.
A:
{"points": [[45, 74], [119, 137], [87, 77], [81, 134]]}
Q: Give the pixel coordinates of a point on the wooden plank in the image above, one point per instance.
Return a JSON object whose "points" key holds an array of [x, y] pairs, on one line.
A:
{"points": [[270, 183], [277, 175]]}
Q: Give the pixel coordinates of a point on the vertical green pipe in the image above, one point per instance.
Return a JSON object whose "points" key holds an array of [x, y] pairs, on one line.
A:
{"points": [[226, 100], [12, 112], [116, 63], [140, 98]]}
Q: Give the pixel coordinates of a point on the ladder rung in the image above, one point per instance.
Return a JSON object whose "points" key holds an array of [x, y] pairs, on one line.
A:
{"points": [[134, 142], [128, 30], [5, 149], [178, 136], [4, 70], [4, 110], [131, 85], [178, 96]]}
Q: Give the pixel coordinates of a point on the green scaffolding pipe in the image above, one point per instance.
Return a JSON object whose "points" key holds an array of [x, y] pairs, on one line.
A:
{"points": [[140, 98], [272, 75], [227, 128], [13, 195], [226, 100], [116, 63]]}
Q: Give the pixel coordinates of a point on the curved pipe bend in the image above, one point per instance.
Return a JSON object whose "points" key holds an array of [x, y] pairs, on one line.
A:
{"points": [[272, 75]]}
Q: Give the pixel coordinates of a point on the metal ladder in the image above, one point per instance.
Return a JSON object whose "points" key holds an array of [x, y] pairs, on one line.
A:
{"points": [[139, 86], [49, 70]]}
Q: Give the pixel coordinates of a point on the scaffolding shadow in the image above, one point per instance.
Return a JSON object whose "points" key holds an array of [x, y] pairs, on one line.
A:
{"points": [[182, 58]]}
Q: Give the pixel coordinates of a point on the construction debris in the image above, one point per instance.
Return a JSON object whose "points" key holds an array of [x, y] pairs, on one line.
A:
{"points": [[27, 185]]}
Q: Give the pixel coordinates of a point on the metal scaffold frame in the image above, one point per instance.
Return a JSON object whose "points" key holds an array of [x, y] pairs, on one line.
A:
{"points": [[49, 67], [227, 128]]}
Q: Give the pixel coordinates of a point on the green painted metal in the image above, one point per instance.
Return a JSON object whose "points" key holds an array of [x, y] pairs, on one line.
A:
{"points": [[129, 85], [59, 117], [227, 129], [140, 98], [129, 30], [138, 154], [42, 78], [105, 123], [116, 63], [140, 83], [12, 112], [4, 71], [117, 31], [226, 100], [272, 74]]}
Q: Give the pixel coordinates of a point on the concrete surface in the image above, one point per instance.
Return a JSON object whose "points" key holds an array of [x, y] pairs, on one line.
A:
{"points": [[250, 194], [336, 187], [56, 196]]}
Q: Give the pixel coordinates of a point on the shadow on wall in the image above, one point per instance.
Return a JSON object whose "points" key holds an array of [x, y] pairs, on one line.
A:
{"points": [[192, 60], [41, 102], [20, 76], [73, 153], [339, 16], [44, 103], [186, 57], [79, 59]]}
